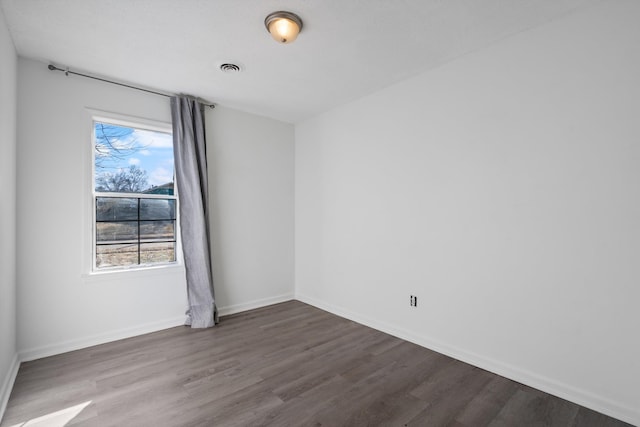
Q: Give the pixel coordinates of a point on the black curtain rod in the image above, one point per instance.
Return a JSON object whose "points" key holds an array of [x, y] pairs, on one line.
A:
{"points": [[67, 72]]}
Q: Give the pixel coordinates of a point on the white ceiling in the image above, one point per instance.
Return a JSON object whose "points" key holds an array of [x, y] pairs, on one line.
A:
{"points": [[347, 49]]}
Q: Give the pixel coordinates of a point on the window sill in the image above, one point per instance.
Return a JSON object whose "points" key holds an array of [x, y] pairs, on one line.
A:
{"points": [[140, 272]]}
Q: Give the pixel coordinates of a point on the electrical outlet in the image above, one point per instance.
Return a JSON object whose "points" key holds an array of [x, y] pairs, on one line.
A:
{"points": [[413, 301]]}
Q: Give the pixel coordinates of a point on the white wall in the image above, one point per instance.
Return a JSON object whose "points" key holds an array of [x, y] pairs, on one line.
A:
{"points": [[8, 355], [502, 190], [60, 307], [251, 175]]}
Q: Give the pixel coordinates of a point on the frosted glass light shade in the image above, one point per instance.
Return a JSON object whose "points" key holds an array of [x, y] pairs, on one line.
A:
{"points": [[283, 26]]}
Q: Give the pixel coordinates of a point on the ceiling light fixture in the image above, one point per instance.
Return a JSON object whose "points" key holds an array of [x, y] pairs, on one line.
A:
{"points": [[283, 26]]}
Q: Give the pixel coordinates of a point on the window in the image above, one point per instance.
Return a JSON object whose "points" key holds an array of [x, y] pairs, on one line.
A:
{"points": [[135, 205]]}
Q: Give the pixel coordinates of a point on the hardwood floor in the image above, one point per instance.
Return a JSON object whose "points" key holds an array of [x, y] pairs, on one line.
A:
{"points": [[285, 365]]}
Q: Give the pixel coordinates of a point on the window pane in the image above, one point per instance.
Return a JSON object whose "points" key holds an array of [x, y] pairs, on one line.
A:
{"points": [[116, 255], [132, 164], [157, 209], [157, 252], [157, 230], [116, 209], [107, 232], [166, 189], [131, 160]]}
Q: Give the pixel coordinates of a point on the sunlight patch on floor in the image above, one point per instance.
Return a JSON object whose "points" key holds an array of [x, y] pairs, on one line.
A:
{"points": [[55, 419]]}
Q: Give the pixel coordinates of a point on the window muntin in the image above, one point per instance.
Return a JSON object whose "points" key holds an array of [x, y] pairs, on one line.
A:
{"points": [[135, 206]]}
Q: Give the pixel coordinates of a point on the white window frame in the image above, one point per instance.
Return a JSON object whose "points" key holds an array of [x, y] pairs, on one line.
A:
{"points": [[136, 123]]}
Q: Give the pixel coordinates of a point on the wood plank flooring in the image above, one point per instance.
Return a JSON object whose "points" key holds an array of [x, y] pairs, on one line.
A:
{"points": [[288, 364]]}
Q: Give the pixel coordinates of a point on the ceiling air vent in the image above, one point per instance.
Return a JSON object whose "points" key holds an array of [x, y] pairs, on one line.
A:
{"points": [[230, 68]]}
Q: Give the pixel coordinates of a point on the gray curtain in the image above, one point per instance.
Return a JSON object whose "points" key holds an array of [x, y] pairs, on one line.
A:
{"points": [[187, 115]]}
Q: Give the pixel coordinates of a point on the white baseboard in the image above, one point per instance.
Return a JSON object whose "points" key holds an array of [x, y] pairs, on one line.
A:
{"points": [[7, 384], [237, 308], [88, 341], [564, 391]]}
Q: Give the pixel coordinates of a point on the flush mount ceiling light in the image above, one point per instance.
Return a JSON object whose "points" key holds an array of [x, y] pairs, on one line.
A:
{"points": [[283, 26]]}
